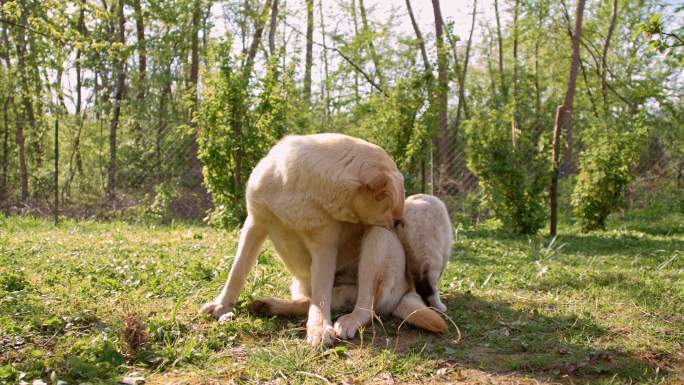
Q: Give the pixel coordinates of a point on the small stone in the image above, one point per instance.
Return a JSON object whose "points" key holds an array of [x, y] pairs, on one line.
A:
{"points": [[132, 381]]}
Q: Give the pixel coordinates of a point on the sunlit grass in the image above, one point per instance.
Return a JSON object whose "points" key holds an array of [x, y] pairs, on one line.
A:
{"points": [[597, 308]]}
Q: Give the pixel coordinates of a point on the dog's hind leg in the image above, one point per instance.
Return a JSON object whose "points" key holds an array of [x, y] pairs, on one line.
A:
{"points": [[252, 236], [381, 280], [279, 307], [343, 298], [426, 285]]}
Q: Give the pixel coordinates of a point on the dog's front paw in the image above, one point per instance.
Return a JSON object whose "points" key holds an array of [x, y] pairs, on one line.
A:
{"points": [[346, 326], [216, 309], [320, 335]]}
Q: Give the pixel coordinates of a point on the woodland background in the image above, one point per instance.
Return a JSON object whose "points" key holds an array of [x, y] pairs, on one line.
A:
{"points": [[164, 106], [154, 112]]}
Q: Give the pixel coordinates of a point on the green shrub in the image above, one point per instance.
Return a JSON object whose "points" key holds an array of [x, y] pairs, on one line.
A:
{"points": [[605, 174], [233, 137], [160, 208], [514, 177], [400, 123]]}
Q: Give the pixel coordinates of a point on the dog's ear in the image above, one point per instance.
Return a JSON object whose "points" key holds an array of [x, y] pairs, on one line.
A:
{"points": [[375, 181], [399, 196]]}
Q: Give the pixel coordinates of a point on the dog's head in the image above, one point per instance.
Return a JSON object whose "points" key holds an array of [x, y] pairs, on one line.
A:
{"points": [[379, 199]]}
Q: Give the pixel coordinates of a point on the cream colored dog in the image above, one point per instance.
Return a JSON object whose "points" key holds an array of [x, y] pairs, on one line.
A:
{"points": [[377, 286], [311, 195], [426, 234]]}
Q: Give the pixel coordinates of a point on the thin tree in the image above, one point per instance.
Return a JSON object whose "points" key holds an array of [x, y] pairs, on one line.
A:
{"points": [[462, 107], [564, 114], [120, 66], [76, 147], [194, 53], [9, 101], [442, 91], [194, 164], [356, 34], [26, 112], [504, 88], [326, 74], [239, 111], [490, 67], [515, 130], [142, 66], [5, 147], [273, 26], [309, 50], [428, 74], [419, 39], [371, 45], [604, 54]]}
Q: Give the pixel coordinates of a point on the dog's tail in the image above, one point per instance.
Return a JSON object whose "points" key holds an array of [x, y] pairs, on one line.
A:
{"points": [[413, 310]]}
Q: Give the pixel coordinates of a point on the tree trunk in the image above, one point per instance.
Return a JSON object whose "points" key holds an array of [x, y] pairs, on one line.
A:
{"points": [[442, 90], [585, 77], [462, 106], [515, 130], [419, 38], [75, 150], [5, 148], [356, 34], [537, 90], [239, 111], [273, 27], [142, 66], [371, 46], [428, 73], [118, 100], [162, 118], [490, 67], [309, 50], [604, 55], [256, 40], [504, 88], [515, 49], [27, 113], [326, 77], [194, 54], [564, 114], [9, 101]]}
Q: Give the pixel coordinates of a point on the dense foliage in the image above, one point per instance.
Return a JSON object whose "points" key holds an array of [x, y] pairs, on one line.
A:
{"points": [[234, 137], [606, 169], [165, 106], [514, 175]]}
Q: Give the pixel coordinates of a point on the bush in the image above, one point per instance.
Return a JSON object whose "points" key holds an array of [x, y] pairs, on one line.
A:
{"points": [[399, 123], [160, 208], [605, 175], [514, 177], [232, 137]]}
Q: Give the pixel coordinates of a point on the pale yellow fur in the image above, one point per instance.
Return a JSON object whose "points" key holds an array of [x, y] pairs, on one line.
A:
{"points": [[311, 195]]}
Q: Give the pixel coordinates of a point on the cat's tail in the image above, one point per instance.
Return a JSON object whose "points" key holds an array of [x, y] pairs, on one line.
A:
{"points": [[413, 310]]}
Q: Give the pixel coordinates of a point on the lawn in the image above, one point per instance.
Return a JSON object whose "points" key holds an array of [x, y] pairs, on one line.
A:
{"points": [[100, 302]]}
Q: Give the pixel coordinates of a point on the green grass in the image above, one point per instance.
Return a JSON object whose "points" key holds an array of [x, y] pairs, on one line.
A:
{"points": [[604, 307]]}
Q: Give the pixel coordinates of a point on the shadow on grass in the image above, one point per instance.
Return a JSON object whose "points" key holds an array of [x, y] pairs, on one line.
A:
{"points": [[499, 340], [588, 244]]}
